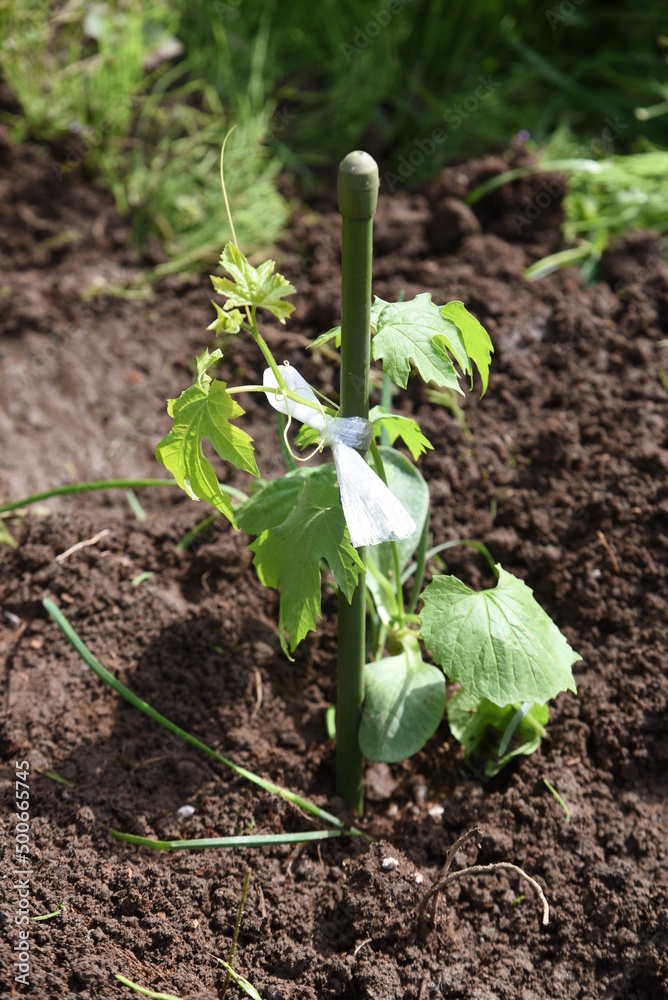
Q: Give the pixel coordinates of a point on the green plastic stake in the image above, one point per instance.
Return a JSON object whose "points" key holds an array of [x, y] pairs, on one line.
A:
{"points": [[358, 197]]}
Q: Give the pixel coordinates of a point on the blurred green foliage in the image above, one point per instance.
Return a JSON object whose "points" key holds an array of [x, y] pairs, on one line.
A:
{"points": [[385, 73], [106, 85], [605, 197], [141, 94]]}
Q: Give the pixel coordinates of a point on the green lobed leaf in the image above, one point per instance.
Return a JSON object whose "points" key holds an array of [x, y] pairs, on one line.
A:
{"points": [[416, 331], [498, 644], [376, 310], [225, 321], [274, 503], [251, 286], [400, 427], [287, 557], [408, 485], [335, 332], [324, 338], [403, 705], [204, 411], [493, 736], [477, 343], [203, 362]]}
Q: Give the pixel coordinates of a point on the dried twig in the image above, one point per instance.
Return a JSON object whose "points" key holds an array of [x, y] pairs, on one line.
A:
{"points": [[82, 545], [432, 894], [361, 945], [258, 693], [447, 876], [606, 545]]}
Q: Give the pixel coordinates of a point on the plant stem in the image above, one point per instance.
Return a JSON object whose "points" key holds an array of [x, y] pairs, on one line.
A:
{"points": [[358, 197], [266, 353]]}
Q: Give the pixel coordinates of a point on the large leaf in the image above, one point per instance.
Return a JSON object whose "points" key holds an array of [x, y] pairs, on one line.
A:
{"points": [[251, 286], [403, 705], [204, 411], [287, 557], [498, 644], [416, 331], [476, 340], [408, 486], [274, 503], [492, 736], [426, 334]]}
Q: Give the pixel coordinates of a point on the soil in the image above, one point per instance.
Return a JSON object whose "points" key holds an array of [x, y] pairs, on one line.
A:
{"points": [[564, 480]]}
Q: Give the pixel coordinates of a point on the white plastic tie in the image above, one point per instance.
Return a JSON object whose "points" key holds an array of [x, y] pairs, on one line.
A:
{"points": [[372, 512]]}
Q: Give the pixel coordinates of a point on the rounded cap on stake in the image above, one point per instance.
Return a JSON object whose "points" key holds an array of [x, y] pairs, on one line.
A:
{"points": [[358, 185]]}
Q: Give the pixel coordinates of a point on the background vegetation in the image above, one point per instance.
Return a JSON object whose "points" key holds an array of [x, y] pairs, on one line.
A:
{"points": [[139, 95]]}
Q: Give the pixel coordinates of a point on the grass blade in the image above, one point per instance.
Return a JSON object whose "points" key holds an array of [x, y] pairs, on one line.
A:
{"points": [[143, 991], [104, 484], [100, 484], [550, 787], [241, 981], [309, 807], [243, 840]]}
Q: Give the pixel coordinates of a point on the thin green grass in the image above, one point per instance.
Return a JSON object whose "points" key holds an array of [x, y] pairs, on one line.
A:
{"points": [[216, 843], [553, 791], [94, 485], [54, 776], [87, 487], [49, 916], [107, 87], [240, 981], [268, 786], [235, 937], [605, 198], [152, 994]]}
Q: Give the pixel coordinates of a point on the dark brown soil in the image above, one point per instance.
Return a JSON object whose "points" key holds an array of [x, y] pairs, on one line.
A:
{"points": [[564, 481]]}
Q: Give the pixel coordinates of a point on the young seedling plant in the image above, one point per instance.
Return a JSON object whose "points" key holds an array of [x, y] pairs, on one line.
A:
{"points": [[365, 523]]}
